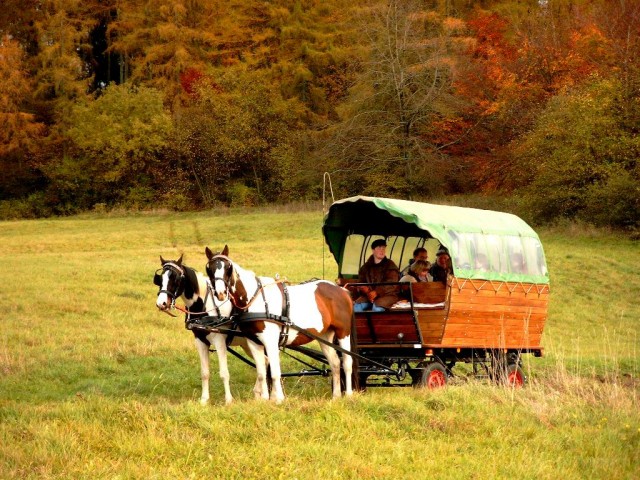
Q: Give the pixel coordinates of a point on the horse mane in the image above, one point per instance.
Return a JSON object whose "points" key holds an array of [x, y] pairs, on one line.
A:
{"points": [[242, 271], [192, 286]]}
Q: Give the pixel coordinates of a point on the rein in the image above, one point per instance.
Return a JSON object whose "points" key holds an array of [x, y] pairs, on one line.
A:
{"points": [[186, 310], [259, 290], [282, 320]]}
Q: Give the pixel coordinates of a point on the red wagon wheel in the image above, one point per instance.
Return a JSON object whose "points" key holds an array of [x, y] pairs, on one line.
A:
{"points": [[514, 376], [433, 376]]}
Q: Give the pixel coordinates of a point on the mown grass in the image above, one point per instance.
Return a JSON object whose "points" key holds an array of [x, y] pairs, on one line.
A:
{"points": [[95, 383]]}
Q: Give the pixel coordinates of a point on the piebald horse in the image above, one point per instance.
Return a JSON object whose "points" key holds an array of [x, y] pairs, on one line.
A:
{"points": [[320, 307], [177, 280]]}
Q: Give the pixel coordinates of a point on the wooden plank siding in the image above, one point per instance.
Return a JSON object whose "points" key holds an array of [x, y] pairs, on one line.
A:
{"points": [[476, 314], [432, 323], [485, 314]]}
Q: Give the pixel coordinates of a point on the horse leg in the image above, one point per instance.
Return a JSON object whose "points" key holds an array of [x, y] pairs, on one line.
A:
{"points": [[220, 343], [203, 352], [273, 352], [260, 389], [334, 362], [347, 365]]}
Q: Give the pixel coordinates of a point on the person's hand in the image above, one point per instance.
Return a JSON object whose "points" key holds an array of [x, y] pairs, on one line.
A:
{"points": [[365, 290], [372, 295]]}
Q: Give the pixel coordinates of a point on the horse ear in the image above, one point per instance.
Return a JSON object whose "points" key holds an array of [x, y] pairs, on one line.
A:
{"points": [[225, 251], [208, 253], [179, 261], [162, 260]]}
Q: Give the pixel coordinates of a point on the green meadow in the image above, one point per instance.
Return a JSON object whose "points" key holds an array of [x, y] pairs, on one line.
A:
{"points": [[95, 382]]}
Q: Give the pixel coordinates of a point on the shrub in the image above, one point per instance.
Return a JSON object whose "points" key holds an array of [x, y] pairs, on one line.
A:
{"points": [[240, 195], [615, 202]]}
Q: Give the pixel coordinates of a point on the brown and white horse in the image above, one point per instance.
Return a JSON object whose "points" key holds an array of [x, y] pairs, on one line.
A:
{"points": [[320, 307], [177, 280]]}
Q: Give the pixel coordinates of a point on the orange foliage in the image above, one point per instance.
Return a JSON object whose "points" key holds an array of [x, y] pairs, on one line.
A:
{"points": [[189, 80]]}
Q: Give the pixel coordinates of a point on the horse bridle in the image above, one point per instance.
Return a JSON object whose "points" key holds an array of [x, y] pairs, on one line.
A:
{"points": [[213, 279], [178, 270], [259, 288]]}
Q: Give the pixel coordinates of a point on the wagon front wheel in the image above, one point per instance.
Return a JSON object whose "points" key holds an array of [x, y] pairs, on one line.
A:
{"points": [[434, 375]]}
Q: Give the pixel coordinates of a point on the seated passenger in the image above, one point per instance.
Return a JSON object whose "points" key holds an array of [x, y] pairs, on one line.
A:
{"points": [[517, 263], [418, 272], [377, 269], [419, 253], [482, 262], [442, 267]]}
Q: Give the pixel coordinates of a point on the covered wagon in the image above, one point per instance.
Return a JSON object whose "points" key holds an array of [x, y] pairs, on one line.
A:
{"points": [[490, 311]]}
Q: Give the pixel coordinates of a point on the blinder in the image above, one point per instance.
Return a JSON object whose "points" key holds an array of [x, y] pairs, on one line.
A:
{"points": [[157, 278], [178, 270]]}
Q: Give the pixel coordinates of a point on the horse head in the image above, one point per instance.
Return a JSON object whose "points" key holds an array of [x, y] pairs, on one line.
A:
{"points": [[221, 272], [170, 278]]}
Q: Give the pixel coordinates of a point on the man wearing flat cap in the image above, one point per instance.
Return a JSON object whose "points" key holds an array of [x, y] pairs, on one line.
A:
{"points": [[377, 269]]}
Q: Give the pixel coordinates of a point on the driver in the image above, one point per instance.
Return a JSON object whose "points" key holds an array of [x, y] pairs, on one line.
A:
{"points": [[377, 269]]}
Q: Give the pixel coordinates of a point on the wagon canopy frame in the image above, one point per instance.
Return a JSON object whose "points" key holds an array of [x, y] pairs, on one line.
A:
{"points": [[483, 244]]}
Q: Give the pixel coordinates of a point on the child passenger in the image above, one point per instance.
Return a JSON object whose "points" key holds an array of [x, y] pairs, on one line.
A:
{"points": [[418, 272]]}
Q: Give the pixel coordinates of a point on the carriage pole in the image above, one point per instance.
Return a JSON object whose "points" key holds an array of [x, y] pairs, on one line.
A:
{"points": [[355, 372]]}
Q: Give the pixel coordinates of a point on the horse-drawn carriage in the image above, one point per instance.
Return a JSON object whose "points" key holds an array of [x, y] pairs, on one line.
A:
{"points": [[490, 311]]}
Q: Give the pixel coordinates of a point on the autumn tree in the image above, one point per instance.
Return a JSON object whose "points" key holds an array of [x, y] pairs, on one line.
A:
{"points": [[116, 145], [404, 88], [160, 39], [19, 128], [234, 137], [580, 160]]}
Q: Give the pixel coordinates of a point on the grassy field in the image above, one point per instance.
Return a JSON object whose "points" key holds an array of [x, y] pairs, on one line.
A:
{"points": [[96, 383]]}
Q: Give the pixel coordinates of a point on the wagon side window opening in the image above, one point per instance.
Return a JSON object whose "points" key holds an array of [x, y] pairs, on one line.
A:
{"points": [[479, 253], [395, 246], [354, 250], [533, 256], [399, 249], [357, 250], [515, 249], [526, 256]]}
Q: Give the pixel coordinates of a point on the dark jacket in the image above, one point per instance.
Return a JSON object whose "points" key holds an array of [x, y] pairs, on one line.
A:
{"points": [[385, 271], [439, 274]]}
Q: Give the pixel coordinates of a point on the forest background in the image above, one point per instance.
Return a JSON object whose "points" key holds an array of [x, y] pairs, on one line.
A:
{"points": [[187, 104]]}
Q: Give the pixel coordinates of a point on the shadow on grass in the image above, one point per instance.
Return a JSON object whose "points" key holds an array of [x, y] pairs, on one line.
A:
{"points": [[168, 376]]}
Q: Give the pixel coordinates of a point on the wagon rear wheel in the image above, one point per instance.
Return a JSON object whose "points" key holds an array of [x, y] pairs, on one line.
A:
{"points": [[514, 376], [434, 375]]}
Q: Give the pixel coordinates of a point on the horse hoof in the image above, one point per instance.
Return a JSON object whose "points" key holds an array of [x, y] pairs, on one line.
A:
{"points": [[204, 401]]}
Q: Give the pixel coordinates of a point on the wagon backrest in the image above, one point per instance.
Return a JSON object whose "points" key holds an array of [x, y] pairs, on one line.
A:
{"points": [[429, 292]]}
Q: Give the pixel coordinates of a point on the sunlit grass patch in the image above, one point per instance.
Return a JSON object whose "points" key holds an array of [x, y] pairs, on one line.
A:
{"points": [[95, 382]]}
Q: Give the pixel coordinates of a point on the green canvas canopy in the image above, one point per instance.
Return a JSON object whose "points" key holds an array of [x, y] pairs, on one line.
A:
{"points": [[483, 244]]}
